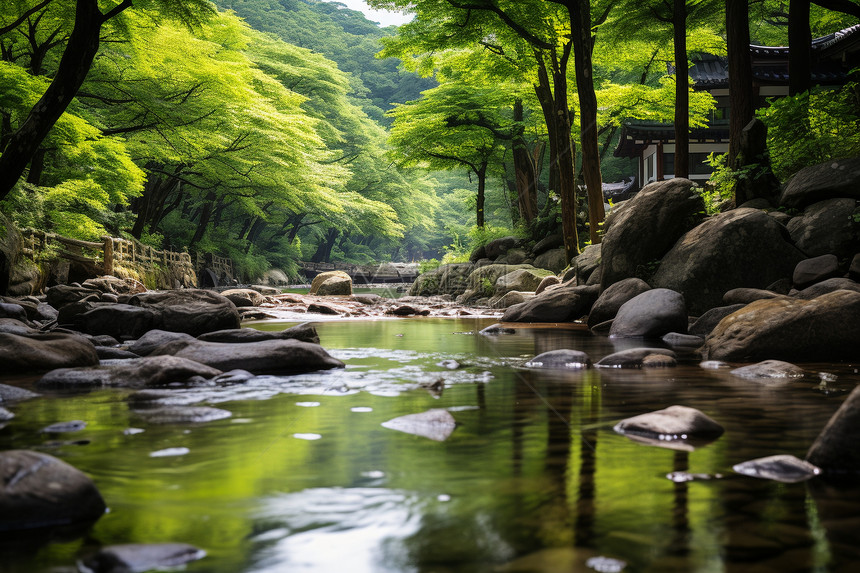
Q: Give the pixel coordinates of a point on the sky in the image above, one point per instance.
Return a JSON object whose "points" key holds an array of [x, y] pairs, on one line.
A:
{"points": [[383, 17]]}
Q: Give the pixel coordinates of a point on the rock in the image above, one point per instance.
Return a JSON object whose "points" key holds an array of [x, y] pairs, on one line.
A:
{"points": [[640, 231], [816, 330], [522, 280], [14, 394], [38, 490], [436, 424], [552, 241], [498, 247], [5, 416], [706, 323], [509, 299], [563, 359], [144, 345], [243, 297], [547, 282], [41, 352], [192, 311], [672, 427], [658, 361], [564, 304], [183, 414], [854, 268], [61, 295], [497, 329], [112, 284], [714, 365], [815, 270], [745, 296], [827, 227], [651, 315], [554, 260], [683, 340], [13, 311], [447, 279], [117, 320], [769, 369], [275, 277], [482, 280], [739, 248], [134, 373], [262, 357], [611, 299], [368, 299], [15, 326], [331, 283], [631, 358], [582, 266], [63, 427], [831, 179], [826, 287], [109, 353], [134, 557], [514, 256], [782, 468], [305, 332], [835, 449]]}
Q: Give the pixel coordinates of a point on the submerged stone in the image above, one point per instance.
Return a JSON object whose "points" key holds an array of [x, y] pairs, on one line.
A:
{"points": [[139, 557], [183, 414], [563, 359], [63, 427], [769, 370], [435, 424], [782, 468], [631, 358]]}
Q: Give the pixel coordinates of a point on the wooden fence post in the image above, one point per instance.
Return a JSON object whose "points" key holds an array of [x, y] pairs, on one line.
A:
{"points": [[108, 258]]}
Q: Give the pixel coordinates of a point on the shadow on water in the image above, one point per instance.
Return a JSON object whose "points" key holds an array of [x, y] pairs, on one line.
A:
{"points": [[304, 477]]}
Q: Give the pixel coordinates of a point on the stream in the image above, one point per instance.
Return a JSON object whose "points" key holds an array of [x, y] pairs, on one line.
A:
{"points": [[303, 477]]}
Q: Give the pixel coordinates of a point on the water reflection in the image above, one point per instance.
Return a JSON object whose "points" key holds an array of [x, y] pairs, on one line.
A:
{"points": [[533, 478]]}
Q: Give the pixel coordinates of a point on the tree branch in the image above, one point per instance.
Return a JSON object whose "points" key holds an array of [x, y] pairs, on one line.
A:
{"points": [[509, 22], [24, 16]]}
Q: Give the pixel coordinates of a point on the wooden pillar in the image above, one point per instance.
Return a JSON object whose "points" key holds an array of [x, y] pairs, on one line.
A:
{"points": [[660, 169], [108, 255]]}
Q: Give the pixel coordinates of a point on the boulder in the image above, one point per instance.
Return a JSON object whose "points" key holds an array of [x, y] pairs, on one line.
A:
{"points": [[41, 352], [703, 325], [828, 180], [514, 256], [631, 358], [112, 284], [563, 304], [815, 270], [509, 299], [133, 373], [583, 265], [827, 227], [744, 295], [144, 345], [498, 247], [331, 283], [554, 260], [447, 279], [482, 280], [678, 340], [38, 490], [651, 314], [769, 370], [61, 295], [782, 468], [673, 424], [546, 282], [854, 268], [563, 359], [552, 241], [123, 321], [15, 326], [739, 248], [835, 449], [243, 297], [192, 311], [13, 311], [14, 394], [132, 557], [306, 332], [522, 280], [659, 361], [823, 328], [610, 300], [640, 231], [825, 287], [262, 357]]}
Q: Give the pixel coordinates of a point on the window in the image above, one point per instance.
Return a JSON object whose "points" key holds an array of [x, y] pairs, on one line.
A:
{"points": [[668, 164]]}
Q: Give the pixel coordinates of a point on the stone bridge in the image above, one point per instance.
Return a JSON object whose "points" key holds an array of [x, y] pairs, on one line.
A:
{"points": [[365, 274]]}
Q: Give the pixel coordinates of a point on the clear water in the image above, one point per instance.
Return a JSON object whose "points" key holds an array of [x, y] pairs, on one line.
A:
{"points": [[303, 476]]}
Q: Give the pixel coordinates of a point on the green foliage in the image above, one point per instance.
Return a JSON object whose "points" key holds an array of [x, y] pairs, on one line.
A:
{"points": [[721, 185], [428, 265], [487, 287], [812, 127]]}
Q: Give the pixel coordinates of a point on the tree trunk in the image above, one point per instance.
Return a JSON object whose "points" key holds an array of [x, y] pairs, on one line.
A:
{"points": [[296, 221], [580, 25], [205, 214], [37, 167], [74, 66], [682, 94], [800, 48], [740, 75], [524, 171], [323, 252], [481, 172]]}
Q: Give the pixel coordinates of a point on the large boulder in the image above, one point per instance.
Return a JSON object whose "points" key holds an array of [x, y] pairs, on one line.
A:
{"points": [[739, 248], [61, 295], [827, 227], [554, 260], [262, 357], [122, 321], [613, 297], [828, 180], [41, 352], [640, 231], [824, 328], [192, 311], [672, 423], [38, 490], [498, 247], [815, 270], [447, 279], [583, 265], [521, 280], [331, 283], [651, 314], [827, 286], [835, 450], [305, 332], [482, 280], [244, 296], [132, 373], [563, 304]]}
